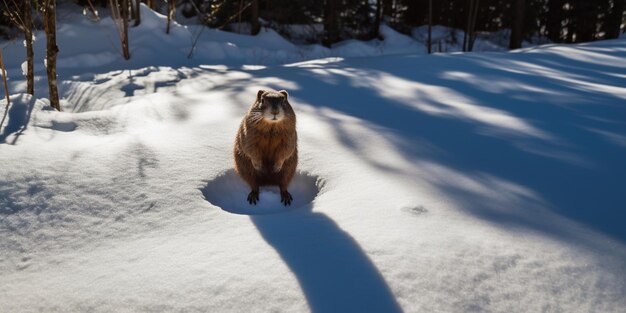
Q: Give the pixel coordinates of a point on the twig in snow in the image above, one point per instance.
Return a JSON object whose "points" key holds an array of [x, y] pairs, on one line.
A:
{"points": [[6, 89]]}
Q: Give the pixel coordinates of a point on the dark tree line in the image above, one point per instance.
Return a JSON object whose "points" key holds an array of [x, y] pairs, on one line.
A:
{"points": [[562, 21]]}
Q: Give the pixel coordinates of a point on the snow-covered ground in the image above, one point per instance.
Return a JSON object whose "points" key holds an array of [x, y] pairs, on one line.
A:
{"points": [[489, 182]]}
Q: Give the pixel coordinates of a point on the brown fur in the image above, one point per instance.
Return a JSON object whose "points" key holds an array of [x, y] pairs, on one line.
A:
{"points": [[266, 152]]}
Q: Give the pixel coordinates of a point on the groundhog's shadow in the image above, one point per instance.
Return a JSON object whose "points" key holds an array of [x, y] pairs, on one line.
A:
{"points": [[333, 271]]}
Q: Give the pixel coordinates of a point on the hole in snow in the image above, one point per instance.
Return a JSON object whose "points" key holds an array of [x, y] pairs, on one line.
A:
{"points": [[230, 192]]}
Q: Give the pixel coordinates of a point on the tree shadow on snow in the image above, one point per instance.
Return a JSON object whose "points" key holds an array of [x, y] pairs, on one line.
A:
{"points": [[536, 133], [18, 116], [466, 113]]}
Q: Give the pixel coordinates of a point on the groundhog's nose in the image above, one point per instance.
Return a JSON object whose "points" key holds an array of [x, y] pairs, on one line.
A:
{"points": [[275, 111]]}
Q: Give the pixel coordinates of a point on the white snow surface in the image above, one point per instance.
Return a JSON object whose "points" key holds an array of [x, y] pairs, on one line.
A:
{"points": [[489, 182]]}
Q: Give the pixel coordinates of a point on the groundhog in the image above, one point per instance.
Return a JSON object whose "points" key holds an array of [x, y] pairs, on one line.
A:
{"points": [[266, 149]]}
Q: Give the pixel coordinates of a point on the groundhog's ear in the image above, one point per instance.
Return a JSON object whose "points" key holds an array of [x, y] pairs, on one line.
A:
{"points": [[259, 95], [284, 92]]}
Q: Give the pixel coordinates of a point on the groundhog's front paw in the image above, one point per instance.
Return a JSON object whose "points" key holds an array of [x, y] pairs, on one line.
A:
{"points": [[253, 197], [258, 166], [286, 198], [277, 167]]}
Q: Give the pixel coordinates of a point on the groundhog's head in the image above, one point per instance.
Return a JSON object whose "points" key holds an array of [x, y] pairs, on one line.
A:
{"points": [[273, 106]]}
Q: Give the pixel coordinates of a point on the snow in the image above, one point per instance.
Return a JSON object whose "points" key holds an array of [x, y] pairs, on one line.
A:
{"points": [[24, 68], [225, 192], [444, 183]]}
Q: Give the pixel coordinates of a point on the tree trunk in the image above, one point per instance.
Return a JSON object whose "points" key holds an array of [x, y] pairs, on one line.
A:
{"points": [[331, 23], [414, 12], [571, 25], [255, 26], [171, 9], [518, 24], [586, 16], [430, 26], [124, 17], [49, 16], [137, 12], [554, 19], [388, 9], [472, 33], [469, 25], [377, 19], [131, 7], [239, 16], [614, 19], [28, 38]]}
